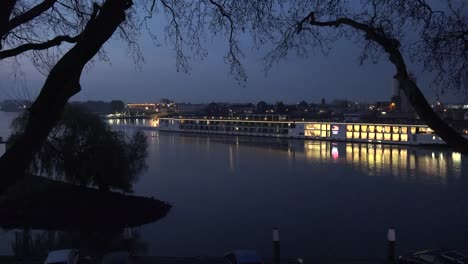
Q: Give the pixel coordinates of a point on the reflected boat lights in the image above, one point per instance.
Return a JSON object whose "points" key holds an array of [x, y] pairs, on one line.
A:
{"points": [[397, 161], [335, 153]]}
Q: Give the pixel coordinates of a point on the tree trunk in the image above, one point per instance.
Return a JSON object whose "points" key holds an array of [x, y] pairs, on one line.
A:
{"points": [[432, 119], [6, 7], [61, 84], [412, 91]]}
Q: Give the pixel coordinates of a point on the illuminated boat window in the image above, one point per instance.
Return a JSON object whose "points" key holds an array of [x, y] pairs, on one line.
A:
{"points": [[404, 137], [356, 128], [404, 130], [356, 135], [387, 136], [324, 133], [379, 136], [349, 128], [396, 129], [324, 127], [372, 129], [364, 128], [371, 135], [413, 130], [396, 137], [363, 135], [349, 134], [328, 127], [387, 129], [378, 129]]}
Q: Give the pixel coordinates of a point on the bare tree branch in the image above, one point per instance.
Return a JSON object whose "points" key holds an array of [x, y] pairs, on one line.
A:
{"points": [[37, 46], [409, 86], [234, 50], [30, 14]]}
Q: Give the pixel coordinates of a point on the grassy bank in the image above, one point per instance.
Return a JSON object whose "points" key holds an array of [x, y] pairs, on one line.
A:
{"points": [[39, 203]]}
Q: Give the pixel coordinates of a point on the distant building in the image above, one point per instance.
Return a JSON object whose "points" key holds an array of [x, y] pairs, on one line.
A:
{"points": [[458, 111], [188, 108], [242, 108], [141, 108]]}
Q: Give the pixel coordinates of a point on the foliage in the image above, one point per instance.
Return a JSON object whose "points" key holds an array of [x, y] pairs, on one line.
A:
{"points": [[280, 108], [117, 106], [82, 149], [261, 107]]}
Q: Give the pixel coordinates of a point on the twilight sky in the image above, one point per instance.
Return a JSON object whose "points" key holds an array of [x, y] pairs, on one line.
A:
{"points": [[337, 76]]}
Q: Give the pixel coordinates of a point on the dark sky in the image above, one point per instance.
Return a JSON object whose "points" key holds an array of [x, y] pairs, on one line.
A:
{"points": [[337, 76]]}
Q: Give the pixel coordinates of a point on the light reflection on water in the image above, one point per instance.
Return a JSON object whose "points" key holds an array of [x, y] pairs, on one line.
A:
{"points": [[402, 162], [321, 189], [138, 122], [335, 198]]}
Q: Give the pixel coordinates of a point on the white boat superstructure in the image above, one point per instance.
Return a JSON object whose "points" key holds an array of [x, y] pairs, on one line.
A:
{"points": [[406, 134]]}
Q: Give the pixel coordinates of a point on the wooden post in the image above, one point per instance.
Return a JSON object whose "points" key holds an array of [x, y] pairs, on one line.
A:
{"points": [[127, 233], [276, 246], [391, 238]]}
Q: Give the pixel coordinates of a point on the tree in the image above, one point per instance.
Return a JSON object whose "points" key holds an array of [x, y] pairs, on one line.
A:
{"points": [[280, 108], [384, 27], [63, 79], [83, 150], [262, 107], [117, 106], [213, 109], [302, 106], [36, 29]]}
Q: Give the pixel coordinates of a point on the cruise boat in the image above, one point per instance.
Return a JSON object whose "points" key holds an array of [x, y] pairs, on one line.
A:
{"points": [[278, 126]]}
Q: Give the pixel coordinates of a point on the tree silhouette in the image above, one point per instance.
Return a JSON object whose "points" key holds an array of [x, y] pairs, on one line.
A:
{"points": [[262, 107], [36, 29], [280, 108], [63, 78], [438, 43], [389, 28], [83, 150], [302, 106], [117, 106]]}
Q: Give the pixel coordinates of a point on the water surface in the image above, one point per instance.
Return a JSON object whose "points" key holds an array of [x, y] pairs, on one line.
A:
{"points": [[328, 199]]}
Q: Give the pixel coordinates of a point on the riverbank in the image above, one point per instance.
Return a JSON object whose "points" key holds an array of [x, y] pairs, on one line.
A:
{"points": [[40, 203]]}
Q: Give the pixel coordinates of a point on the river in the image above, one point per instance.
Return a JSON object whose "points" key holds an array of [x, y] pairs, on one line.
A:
{"points": [[328, 199]]}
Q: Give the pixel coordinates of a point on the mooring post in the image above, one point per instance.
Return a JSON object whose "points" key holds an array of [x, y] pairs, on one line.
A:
{"points": [[127, 233], [276, 246], [391, 238]]}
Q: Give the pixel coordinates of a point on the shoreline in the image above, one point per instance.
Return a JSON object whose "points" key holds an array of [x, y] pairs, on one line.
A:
{"points": [[39, 203]]}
